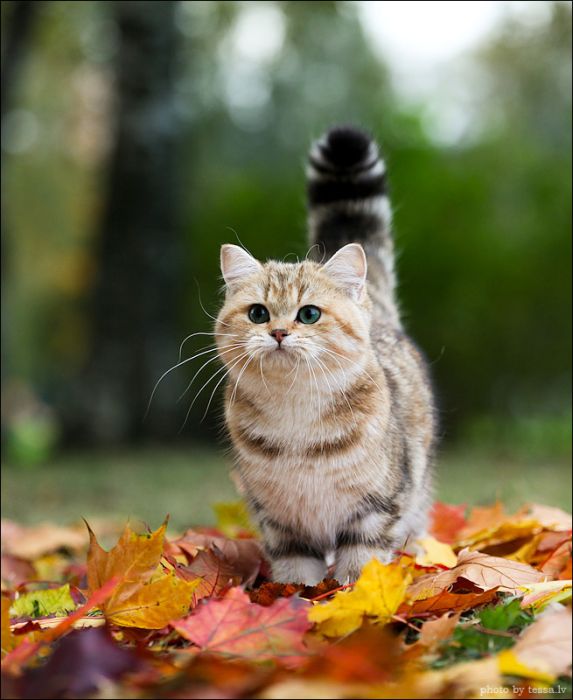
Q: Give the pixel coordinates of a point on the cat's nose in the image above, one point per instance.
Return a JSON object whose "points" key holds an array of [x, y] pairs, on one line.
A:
{"points": [[278, 334]]}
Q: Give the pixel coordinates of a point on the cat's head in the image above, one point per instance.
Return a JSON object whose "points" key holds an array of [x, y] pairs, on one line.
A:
{"points": [[279, 316]]}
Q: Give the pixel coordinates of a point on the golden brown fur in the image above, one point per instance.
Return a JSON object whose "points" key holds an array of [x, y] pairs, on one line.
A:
{"points": [[332, 427]]}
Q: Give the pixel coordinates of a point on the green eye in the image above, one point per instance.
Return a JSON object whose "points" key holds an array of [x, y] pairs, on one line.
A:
{"points": [[308, 314], [259, 314]]}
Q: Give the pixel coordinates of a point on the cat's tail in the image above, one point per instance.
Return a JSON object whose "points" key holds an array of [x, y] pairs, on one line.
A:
{"points": [[348, 203]]}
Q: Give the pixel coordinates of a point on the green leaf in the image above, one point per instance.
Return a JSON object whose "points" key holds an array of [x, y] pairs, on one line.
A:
{"points": [[50, 601], [505, 617]]}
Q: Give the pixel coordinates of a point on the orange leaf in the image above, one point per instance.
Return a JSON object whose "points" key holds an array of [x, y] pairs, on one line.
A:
{"points": [[237, 627], [447, 521], [447, 602], [134, 559]]}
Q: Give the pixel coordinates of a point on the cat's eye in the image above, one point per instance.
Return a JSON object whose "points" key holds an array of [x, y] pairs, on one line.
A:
{"points": [[259, 313], [308, 314]]}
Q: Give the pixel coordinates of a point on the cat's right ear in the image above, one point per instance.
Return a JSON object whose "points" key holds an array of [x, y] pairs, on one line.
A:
{"points": [[236, 264]]}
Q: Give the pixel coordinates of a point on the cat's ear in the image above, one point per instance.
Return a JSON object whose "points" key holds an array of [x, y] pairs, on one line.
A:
{"points": [[348, 268], [236, 264]]}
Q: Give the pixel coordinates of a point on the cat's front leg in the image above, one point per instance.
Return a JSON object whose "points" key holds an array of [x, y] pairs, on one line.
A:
{"points": [[365, 539], [298, 569], [293, 559]]}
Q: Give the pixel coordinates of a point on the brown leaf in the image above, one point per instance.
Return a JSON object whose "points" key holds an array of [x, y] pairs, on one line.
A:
{"points": [[31, 542], [481, 569], [212, 572], [236, 627], [435, 631], [16, 570], [241, 558]]}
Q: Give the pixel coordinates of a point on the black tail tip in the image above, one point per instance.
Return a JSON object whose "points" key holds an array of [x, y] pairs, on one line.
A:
{"points": [[345, 146]]}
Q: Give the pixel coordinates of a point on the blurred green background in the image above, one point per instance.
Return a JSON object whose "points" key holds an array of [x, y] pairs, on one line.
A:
{"points": [[139, 136]]}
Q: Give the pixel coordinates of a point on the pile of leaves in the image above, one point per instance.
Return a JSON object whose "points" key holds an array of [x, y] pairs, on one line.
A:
{"points": [[482, 609]]}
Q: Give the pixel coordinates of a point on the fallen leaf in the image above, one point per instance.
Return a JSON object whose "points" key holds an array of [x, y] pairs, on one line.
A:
{"points": [[550, 518], [234, 626], [84, 663], [240, 559], [154, 604], [212, 574], [544, 649], [233, 519], [436, 553], [134, 560], [435, 631], [146, 596], [7, 636], [446, 602], [483, 570], [539, 595], [447, 521], [41, 603], [377, 594], [482, 519], [31, 542], [14, 661], [16, 570]]}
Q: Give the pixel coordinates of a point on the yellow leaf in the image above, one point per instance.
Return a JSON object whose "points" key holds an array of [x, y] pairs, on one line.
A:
{"points": [[510, 665], [436, 553], [7, 636], [154, 604], [539, 595], [377, 594], [233, 518]]}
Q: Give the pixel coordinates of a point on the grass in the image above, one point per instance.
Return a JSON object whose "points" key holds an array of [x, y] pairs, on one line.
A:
{"points": [[148, 484]]}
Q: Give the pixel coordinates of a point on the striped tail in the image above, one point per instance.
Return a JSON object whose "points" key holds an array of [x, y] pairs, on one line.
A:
{"points": [[348, 203]]}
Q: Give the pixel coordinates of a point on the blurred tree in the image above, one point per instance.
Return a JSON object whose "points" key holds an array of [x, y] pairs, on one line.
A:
{"points": [[134, 299]]}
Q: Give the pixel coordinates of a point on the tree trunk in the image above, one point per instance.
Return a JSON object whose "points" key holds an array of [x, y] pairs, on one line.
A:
{"points": [[134, 310]]}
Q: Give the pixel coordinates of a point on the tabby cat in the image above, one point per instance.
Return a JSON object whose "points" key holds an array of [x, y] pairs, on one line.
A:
{"points": [[328, 403]]}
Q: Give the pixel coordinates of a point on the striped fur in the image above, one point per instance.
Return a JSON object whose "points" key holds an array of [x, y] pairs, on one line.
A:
{"points": [[332, 428]]}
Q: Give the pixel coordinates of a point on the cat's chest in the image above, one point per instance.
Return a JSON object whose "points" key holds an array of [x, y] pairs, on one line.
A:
{"points": [[305, 499]]}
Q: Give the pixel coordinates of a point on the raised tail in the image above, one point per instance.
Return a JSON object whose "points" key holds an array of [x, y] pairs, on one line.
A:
{"points": [[348, 203]]}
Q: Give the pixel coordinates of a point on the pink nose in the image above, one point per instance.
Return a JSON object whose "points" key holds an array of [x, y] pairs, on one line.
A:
{"points": [[279, 334]]}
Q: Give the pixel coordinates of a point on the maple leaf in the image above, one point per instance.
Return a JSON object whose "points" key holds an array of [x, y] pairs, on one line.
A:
{"points": [[138, 601], [377, 594], [446, 601], [436, 631], [50, 601], [539, 595], [31, 542], [481, 569], [238, 559], [435, 553], [236, 627], [233, 519], [543, 651], [447, 521], [85, 662]]}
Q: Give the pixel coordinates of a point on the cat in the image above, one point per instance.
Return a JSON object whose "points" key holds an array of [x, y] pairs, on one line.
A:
{"points": [[328, 403]]}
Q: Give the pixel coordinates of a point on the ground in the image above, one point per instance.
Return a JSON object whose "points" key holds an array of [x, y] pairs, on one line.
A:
{"points": [[147, 484]]}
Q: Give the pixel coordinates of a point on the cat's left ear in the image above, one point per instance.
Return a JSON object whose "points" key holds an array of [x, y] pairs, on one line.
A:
{"points": [[237, 264], [348, 268]]}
